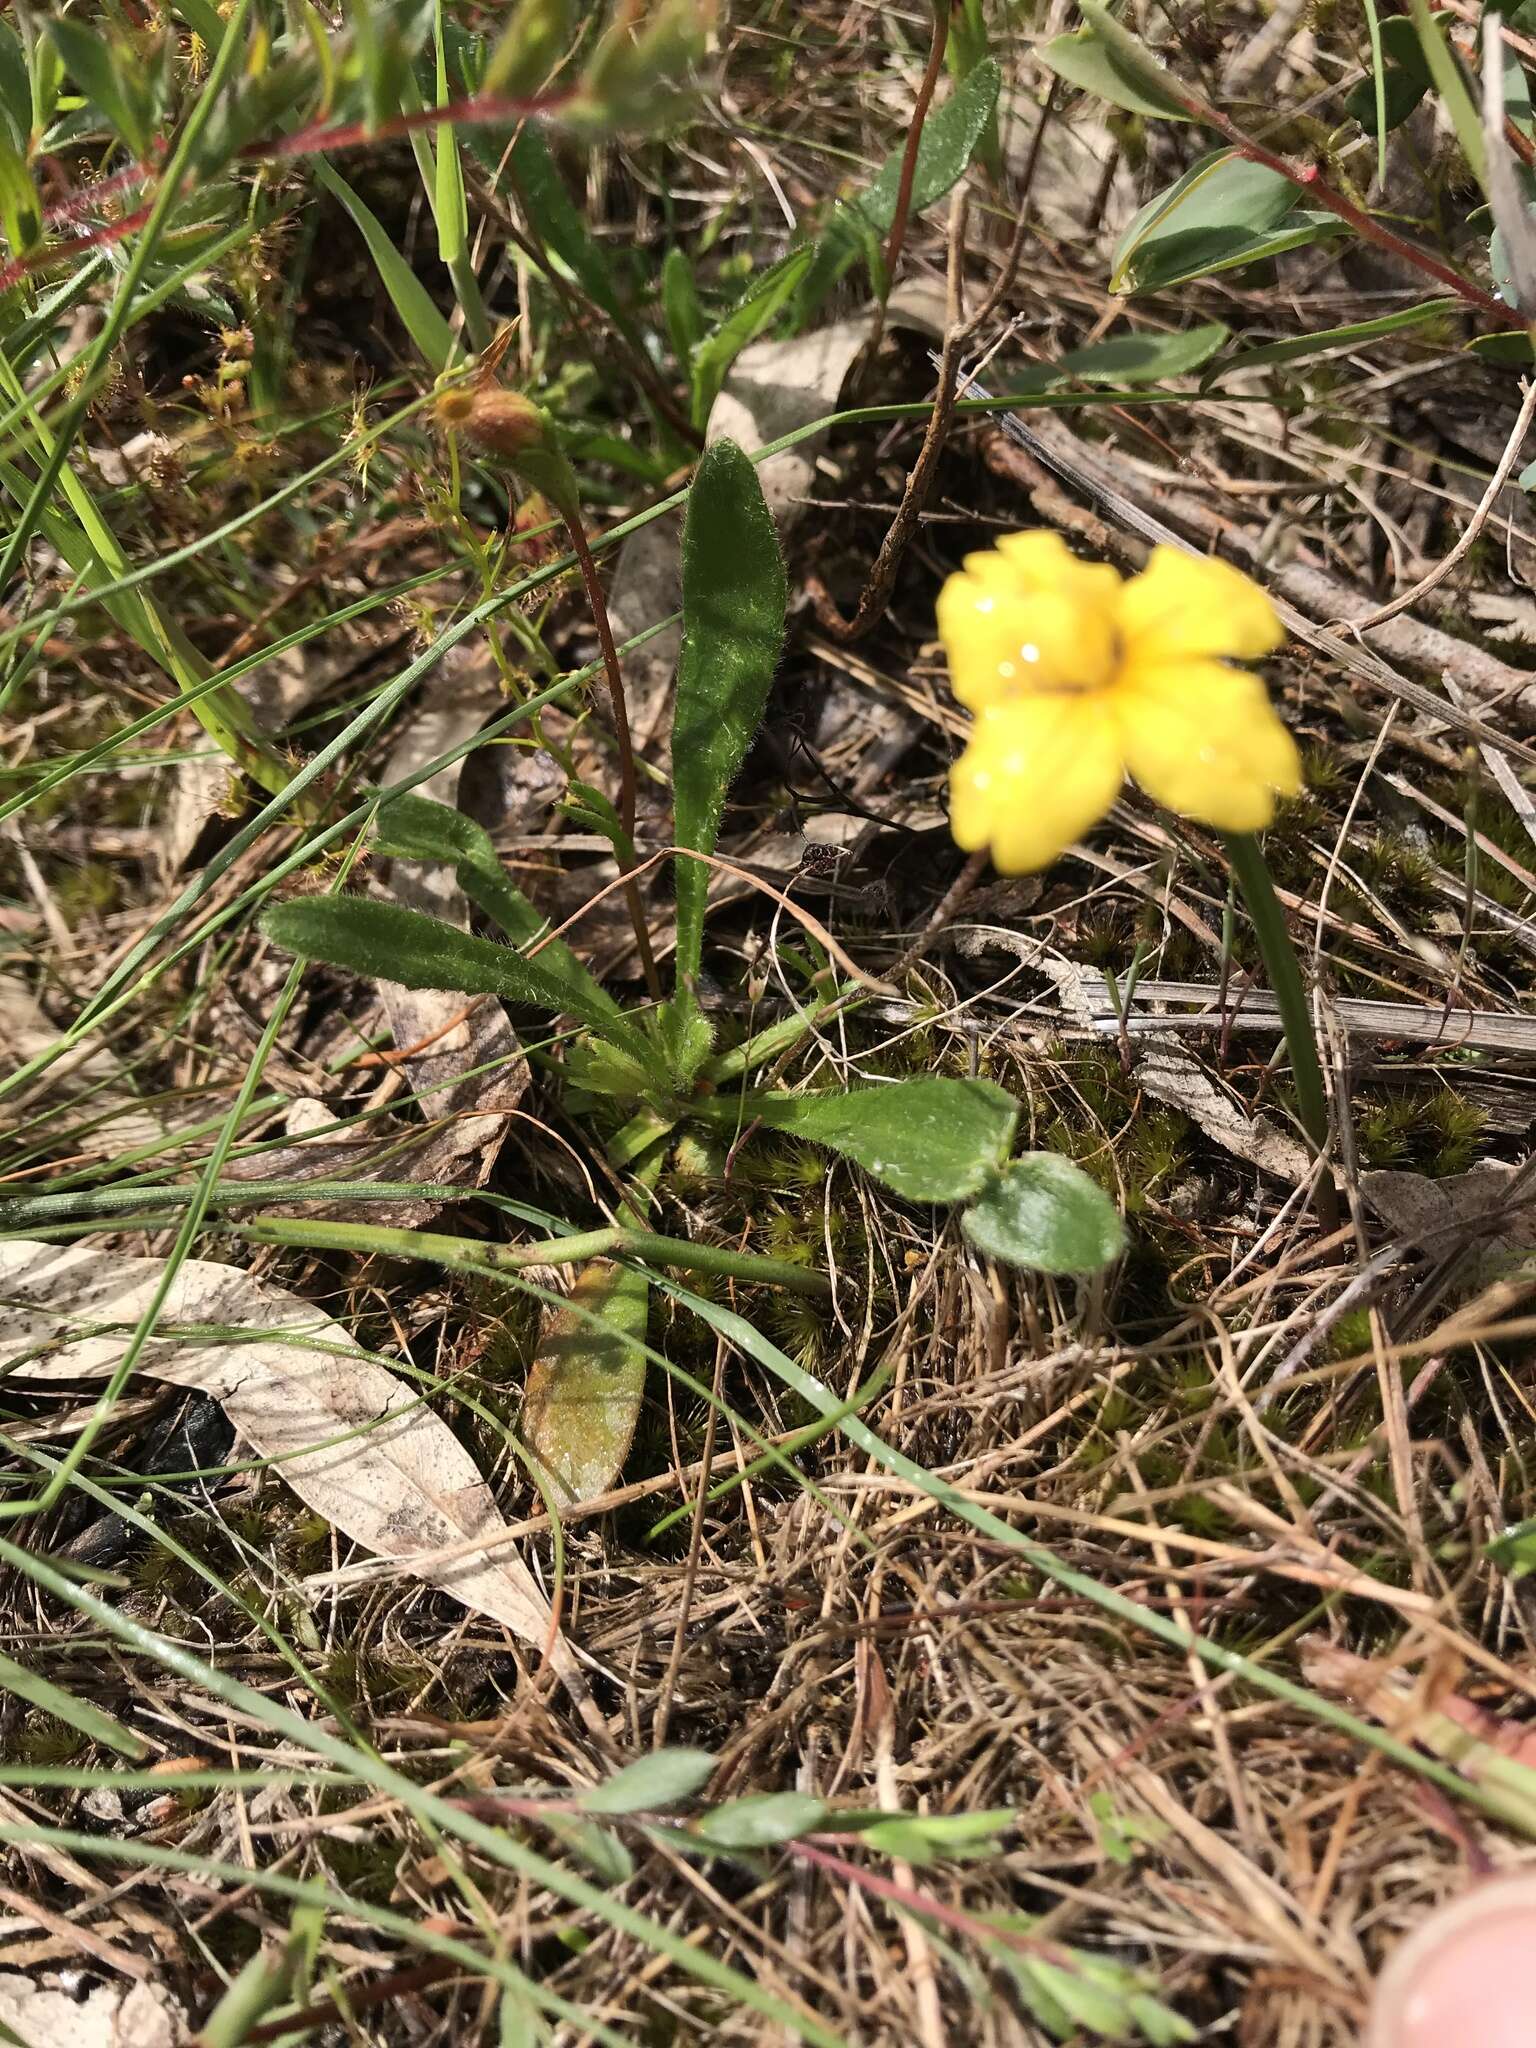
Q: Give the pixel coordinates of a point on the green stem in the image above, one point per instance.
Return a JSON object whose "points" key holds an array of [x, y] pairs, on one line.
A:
{"points": [[473, 1255], [1279, 955]]}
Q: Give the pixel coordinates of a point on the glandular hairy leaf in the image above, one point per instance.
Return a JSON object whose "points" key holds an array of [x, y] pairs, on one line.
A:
{"points": [[734, 595]]}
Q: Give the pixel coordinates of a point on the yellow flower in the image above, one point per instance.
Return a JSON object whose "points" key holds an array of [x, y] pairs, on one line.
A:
{"points": [[1078, 677]]}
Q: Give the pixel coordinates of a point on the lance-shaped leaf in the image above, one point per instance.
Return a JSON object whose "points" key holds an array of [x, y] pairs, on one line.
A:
{"points": [[417, 828], [713, 357], [586, 1381], [951, 135], [390, 943], [932, 1140], [733, 626]]}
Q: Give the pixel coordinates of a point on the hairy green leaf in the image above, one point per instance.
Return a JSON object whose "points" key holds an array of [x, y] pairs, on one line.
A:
{"points": [[761, 1821], [395, 944], [932, 1140], [734, 596], [951, 136], [416, 828], [713, 357], [652, 1782], [1045, 1213], [1145, 358]]}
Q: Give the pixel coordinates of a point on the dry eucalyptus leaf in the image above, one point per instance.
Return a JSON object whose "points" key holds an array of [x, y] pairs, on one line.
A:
{"points": [[389, 1472], [1481, 1213], [44, 2015]]}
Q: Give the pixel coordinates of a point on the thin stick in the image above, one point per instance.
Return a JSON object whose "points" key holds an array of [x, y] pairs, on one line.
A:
{"points": [[898, 235], [626, 859]]}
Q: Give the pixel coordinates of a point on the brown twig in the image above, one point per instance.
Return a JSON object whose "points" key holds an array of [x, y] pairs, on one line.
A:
{"points": [[896, 240], [914, 498], [627, 789]]}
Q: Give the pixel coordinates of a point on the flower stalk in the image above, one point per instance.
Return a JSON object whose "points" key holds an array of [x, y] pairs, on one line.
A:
{"points": [[1279, 955]]}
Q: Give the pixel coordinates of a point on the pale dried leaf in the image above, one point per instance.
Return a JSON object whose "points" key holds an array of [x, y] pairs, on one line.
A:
{"points": [[291, 1380], [44, 2015]]}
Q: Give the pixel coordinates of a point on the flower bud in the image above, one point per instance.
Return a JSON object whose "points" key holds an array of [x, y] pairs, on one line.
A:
{"points": [[498, 422]]}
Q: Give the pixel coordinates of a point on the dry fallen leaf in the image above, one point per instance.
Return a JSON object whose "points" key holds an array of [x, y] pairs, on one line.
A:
{"points": [[45, 2015], [356, 1444]]}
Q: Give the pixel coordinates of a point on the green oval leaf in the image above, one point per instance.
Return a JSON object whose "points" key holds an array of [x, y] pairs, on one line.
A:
{"points": [[713, 357], [1223, 195], [931, 1140], [651, 1782], [1083, 59], [761, 1821], [1043, 1212], [1145, 358], [734, 596]]}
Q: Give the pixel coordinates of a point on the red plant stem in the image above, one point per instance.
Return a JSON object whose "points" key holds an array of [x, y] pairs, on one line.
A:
{"points": [[925, 93], [1309, 179], [478, 111], [932, 1908], [94, 238], [627, 788]]}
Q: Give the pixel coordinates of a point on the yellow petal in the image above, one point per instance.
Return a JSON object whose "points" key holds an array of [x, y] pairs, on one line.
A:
{"points": [[1191, 606], [1004, 641], [1037, 773], [1204, 740]]}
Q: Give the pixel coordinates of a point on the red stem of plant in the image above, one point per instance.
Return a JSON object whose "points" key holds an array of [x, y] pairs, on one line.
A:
{"points": [[925, 93], [1311, 181], [627, 785]]}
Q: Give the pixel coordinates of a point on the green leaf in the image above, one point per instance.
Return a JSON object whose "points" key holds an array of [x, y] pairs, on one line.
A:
{"points": [[416, 828], [15, 86], [951, 136], [69, 1708], [734, 594], [1451, 83], [599, 1848], [21, 213], [529, 47], [680, 304], [1299, 346], [395, 944], [556, 221], [586, 1382], [1085, 60], [761, 1821], [932, 1140], [713, 357], [1222, 195], [1404, 77], [407, 294], [1043, 1212], [1145, 358], [112, 79], [924, 1838], [1185, 257], [652, 1783]]}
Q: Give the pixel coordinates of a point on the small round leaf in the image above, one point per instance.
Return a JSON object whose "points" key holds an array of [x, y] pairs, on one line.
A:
{"points": [[1042, 1211]]}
